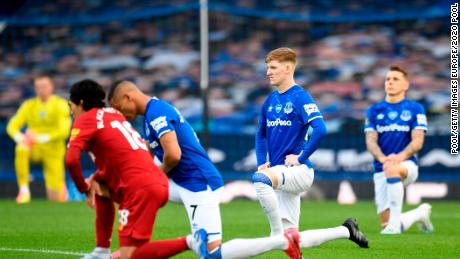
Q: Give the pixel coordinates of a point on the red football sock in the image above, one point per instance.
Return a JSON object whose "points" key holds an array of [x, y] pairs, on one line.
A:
{"points": [[105, 216], [160, 249]]}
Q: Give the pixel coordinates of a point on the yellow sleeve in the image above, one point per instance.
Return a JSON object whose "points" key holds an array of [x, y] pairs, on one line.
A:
{"points": [[63, 122], [18, 120]]}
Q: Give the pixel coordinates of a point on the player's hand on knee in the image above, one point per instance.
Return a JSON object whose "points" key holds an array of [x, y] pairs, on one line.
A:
{"points": [[263, 166], [291, 160]]}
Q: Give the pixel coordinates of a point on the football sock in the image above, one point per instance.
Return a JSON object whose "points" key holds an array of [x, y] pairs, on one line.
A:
{"points": [[410, 217], [161, 248], [315, 237], [395, 194], [105, 217], [24, 188], [244, 248], [269, 202]]}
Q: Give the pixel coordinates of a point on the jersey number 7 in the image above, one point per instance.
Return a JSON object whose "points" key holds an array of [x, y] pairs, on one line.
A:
{"points": [[130, 134]]}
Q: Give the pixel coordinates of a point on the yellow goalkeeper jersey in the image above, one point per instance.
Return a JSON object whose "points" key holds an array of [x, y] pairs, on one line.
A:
{"points": [[52, 118]]}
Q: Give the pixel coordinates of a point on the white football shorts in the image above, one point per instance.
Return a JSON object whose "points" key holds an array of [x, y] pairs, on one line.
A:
{"points": [[202, 208], [292, 181]]}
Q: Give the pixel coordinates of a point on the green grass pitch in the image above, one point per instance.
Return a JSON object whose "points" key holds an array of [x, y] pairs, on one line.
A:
{"points": [[42, 225]]}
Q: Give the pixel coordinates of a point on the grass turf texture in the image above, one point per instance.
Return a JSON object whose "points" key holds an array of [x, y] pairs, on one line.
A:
{"points": [[69, 227]]}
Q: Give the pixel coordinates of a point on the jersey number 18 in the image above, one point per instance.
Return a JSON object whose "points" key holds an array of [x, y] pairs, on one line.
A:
{"points": [[131, 135]]}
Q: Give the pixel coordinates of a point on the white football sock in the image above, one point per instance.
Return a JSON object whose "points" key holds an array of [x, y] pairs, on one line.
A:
{"points": [[410, 217], [316, 237], [244, 248], [395, 195], [269, 202], [24, 188]]}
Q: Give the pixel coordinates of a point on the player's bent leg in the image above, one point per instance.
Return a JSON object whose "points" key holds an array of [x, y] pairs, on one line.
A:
{"points": [[54, 174], [348, 230], [245, 248], [21, 163], [420, 215], [264, 182], [395, 193], [155, 249]]}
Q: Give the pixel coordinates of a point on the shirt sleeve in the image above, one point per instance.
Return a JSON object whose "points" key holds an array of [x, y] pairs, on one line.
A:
{"points": [[82, 132], [369, 123], [308, 109], [18, 120], [163, 119], [420, 121], [261, 143]]}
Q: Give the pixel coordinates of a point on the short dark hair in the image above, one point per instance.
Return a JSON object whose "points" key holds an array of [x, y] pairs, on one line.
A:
{"points": [[90, 92], [401, 70], [113, 89]]}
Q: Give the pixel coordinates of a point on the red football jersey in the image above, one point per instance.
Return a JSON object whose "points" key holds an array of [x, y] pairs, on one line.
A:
{"points": [[121, 156]]}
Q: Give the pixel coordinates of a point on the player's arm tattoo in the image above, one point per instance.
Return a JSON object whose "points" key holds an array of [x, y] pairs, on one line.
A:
{"points": [[373, 146], [418, 137]]}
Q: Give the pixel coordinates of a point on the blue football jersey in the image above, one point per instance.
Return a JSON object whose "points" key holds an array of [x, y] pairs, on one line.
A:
{"points": [[284, 123], [195, 170], [393, 123]]}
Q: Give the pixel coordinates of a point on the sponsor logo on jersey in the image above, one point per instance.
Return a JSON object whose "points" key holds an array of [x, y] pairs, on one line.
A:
{"points": [[159, 123], [278, 122], [288, 108], [380, 116], [278, 108], [310, 108], [270, 108], [393, 127], [421, 119], [392, 115], [406, 115], [74, 133], [154, 144]]}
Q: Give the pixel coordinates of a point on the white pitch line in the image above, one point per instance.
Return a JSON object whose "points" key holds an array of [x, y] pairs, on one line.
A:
{"points": [[43, 251]]}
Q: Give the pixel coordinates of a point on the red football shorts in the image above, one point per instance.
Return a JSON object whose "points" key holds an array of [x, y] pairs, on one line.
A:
{"points": [[137, 213]]}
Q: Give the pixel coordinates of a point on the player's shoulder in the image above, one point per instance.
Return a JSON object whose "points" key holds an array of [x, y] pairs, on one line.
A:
{"points": [[157, 106], [414, 105], [378, 106]]}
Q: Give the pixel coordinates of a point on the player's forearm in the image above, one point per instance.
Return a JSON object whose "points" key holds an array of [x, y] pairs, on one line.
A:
{"points": [[169, 163], [319, 130], [411, 149], [13, 127], [72, 161], [418, 137], [261, 149], [373, 147]]}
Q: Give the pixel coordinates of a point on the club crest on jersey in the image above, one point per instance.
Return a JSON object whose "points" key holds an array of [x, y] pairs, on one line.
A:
{"points": [[42, 114], [406, 115], [288, 108], [278, 108], [380, 116], [392, 115]]}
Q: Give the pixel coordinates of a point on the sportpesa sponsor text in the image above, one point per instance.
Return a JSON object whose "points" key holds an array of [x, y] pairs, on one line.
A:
{"points": [[278, 122]]}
